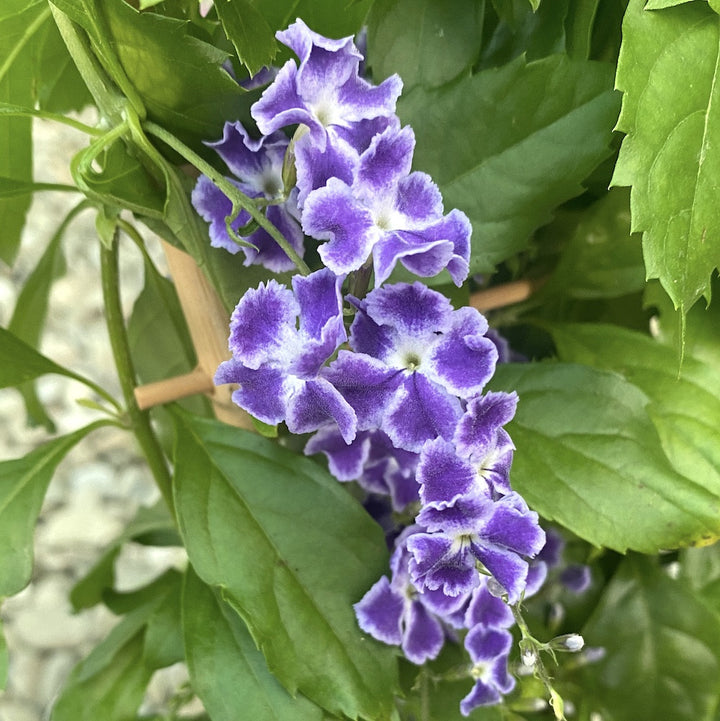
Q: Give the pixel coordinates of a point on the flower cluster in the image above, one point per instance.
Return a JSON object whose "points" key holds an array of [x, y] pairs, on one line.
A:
{"points": [[396, 399]]}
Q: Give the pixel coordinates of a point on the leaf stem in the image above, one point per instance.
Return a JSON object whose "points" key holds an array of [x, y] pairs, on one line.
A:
{"points": [[235, 196], [139, 420], [21, 111]]}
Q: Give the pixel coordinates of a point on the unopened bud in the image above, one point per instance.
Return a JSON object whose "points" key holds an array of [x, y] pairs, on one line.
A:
{"points": [[571, 642]]}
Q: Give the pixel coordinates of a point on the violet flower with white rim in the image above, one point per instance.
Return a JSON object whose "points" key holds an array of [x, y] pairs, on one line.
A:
{"points": [[477, 460], [500, 535], [397, 613], [372, 461], [489, 649], [257, 165], [325, 90], [415, 358], [389, 212], [277, 362]]}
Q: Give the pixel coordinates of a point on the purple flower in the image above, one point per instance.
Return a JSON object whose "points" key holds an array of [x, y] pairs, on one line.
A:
{"points": [[489, 649], [499, 534], [257, 165], [397, 613], [389, 212], [576, 577], [414, 358], [372, 461], [280, 340], [325, 90]]}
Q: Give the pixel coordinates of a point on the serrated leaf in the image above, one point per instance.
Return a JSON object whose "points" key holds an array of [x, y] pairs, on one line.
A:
{"points": [[19, 22], [601, 259], [556, 111], [227, 671], [427, 43], [668, 72], [685, 402], [152, 526], [251, 24], [589, 457], [292, 553], [23, 483], [249, 32], [661, 649]]}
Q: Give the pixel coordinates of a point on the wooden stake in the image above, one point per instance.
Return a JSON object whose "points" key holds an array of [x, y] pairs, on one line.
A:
{"points": [[208, 323]]}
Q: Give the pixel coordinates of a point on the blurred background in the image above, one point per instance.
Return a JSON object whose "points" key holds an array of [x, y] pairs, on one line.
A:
{"points": [[101, 483]]}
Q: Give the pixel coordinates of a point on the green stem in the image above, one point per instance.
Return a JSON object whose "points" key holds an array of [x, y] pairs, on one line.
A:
{"points": [[107, 98], [139, 420], [36, 188], [20, 111], [235, 196]]}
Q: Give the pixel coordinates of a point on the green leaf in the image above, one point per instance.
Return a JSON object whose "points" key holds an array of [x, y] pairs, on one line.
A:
{"points": [[116, 179], [19, 22], [601, 259], [227, 671], [668, 72], [58, 85], [157, 331], [589, 457], [28, 317], [523, 31], [179, 78], [579, 26], [661, 649], [110, 683], [427, 43], [163, 638], [150, 526], [249, 32], [556, 111], [700, 568], [20, 363], [685, 402], [660, 4], [23, 483], [252, 24], [292, 554]]}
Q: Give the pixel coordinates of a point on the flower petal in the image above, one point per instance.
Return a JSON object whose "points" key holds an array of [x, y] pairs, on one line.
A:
{"points": [[380, 611], [423, 635], [262, 325], [333, 213]]}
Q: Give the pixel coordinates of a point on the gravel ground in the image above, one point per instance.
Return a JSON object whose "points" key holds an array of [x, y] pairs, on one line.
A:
{"points": [[100, 484]]}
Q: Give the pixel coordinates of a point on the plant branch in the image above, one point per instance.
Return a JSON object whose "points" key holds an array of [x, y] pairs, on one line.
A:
{"points": [[139, 420]]}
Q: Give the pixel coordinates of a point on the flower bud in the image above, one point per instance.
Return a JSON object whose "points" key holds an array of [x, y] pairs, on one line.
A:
{"points": [[571, 642]]}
